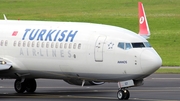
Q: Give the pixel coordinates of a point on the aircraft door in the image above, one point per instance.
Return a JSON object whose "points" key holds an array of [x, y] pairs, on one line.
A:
{"points": [[98, 50]]}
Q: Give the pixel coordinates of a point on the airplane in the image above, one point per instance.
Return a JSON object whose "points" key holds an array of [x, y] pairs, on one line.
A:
{"points": [[79, 53]]}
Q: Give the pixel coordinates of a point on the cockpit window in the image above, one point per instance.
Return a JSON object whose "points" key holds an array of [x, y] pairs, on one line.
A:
{"points": [[147, 44], [124, 46], [128, 46], [138, 45], [121, 45]]}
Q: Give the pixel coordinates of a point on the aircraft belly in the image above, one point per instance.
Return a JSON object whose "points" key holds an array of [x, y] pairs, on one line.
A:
{"points": [[85, 76]]}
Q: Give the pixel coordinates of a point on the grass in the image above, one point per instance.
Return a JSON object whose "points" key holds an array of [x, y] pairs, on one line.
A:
{"points": [[163, 18], [168, 71]]}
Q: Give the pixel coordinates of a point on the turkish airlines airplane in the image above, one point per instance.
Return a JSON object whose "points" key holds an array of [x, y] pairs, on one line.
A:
{"points": [[82, 54]]}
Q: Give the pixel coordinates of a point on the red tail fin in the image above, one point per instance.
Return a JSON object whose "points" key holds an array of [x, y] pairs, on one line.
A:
{"points": [[143, 24]]}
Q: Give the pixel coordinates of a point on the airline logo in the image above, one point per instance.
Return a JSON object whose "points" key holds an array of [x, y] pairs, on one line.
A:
{"points": [[14, 33], [141, 20], [48, 35]]}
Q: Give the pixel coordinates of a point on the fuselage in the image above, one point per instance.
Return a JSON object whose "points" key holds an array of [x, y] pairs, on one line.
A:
{"points": [[59, 50]]}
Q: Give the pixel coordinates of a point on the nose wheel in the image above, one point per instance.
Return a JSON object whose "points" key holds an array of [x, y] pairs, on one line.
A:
{"points": [[123, 94]]}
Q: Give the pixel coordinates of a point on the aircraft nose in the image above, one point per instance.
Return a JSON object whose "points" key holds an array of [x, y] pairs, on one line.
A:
{"points": [[150, 61]]}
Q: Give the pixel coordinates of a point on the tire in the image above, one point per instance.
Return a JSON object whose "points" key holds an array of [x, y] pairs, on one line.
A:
{"points": [[120, 94], [126, 94], [30, 85], [19, 86]]}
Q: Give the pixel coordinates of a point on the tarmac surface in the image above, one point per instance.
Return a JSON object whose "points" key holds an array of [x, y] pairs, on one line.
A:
{"points": [[157, 87]]}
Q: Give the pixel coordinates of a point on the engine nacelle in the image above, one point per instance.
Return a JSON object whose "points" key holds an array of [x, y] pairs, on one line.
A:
{"points": [[79, 82]]}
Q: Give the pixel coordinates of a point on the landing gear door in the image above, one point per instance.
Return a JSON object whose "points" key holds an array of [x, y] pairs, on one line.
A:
{"points": [[98, 50]]}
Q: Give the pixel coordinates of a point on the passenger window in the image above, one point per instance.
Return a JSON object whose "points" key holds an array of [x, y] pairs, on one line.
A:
{"points": [[33, 43], [14, 43], [121, 45], [38, 44], [28, 44], [65, 45], [74, 46], [61, 45], [57, 44], [19, 43], [47, 45], [52, 45], [42, 44], [79, 46], [2, 42], [70, 44], [6, 43], [24, 43]]}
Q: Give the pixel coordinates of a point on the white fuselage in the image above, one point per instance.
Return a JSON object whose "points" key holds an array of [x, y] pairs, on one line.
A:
{"points": [[60, 50]]}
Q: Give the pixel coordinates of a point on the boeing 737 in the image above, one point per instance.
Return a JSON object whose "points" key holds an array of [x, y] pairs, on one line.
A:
{"points": [[79, 53]]}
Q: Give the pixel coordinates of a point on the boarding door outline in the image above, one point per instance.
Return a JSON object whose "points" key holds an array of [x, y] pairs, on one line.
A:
{"points": [[98, 49]]}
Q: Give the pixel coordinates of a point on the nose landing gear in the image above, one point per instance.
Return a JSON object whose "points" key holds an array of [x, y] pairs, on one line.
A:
{"points": [[123, 93]]}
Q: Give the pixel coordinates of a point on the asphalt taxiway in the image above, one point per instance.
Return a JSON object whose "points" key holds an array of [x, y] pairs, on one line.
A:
{"points": [[157, 87]]}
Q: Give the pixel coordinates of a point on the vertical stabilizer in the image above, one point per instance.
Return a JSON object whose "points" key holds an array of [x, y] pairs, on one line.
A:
{"points": [[143, 24]]}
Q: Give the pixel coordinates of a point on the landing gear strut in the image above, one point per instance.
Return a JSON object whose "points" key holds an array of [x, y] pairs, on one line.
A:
{"points": [[22, 85]]}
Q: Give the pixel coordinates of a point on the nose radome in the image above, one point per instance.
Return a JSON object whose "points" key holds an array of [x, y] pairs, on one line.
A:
{"points": [[150, 61]]}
